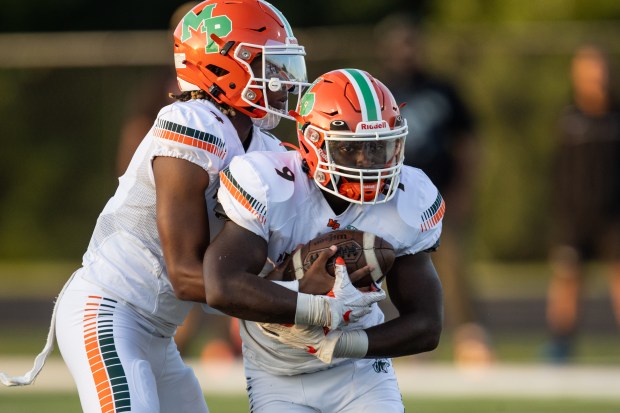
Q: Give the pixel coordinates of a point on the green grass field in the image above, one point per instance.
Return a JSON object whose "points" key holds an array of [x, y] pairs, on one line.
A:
{"points": [[45, 280], [68, 403]]}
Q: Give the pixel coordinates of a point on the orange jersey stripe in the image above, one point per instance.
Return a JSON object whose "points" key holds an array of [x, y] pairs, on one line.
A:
{"points": [[433, 215], [245, 199], [192, 137]]}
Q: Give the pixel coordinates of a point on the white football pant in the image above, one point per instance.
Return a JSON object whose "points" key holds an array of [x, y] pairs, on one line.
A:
{"points": [[118, 360], [361, 386]]}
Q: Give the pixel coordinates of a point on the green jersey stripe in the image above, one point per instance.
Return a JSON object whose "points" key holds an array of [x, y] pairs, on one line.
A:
{"points": [[367, 96]]}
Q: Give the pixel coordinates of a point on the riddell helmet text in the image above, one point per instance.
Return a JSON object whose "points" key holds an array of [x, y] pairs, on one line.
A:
{"points": [[373, 126]]}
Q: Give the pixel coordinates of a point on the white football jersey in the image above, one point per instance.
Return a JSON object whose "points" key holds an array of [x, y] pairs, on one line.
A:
{"points": [[125, 255], [270, 195]]}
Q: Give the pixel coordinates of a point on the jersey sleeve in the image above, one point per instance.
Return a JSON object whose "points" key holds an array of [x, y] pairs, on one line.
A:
{"points": [[431, 225], [182, 131], [243, 196], [424, 211]]}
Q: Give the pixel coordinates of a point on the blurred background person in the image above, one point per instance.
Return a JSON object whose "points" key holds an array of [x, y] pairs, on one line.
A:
{"points": [[586, 197], [442, 142], [147, 98]]}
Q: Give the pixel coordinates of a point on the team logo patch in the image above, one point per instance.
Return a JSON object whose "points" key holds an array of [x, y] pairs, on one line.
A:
{"points": [[307, 104], [381, 366], [333, 224], [205, 22]]}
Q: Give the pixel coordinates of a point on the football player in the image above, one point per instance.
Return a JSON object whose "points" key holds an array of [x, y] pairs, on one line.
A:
{"points": [[236, 63], [347, 173]]}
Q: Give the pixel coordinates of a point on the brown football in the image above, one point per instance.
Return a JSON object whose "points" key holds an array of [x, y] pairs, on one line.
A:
{"points": [[358, 248]]}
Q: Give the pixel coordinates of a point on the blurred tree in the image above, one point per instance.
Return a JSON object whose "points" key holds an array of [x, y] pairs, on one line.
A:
{"points": [[69, 15], [60, 126], [507, 56], [59, 169], [76, 15], [73, 15], [507, 11]]}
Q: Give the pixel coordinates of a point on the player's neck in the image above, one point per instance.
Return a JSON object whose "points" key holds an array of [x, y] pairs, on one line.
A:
{"points": [[337, 204], [243, 125]]}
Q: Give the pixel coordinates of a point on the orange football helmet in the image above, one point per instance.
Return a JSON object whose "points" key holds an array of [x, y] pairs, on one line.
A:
{"points": [[216, 42], [352, 136]]}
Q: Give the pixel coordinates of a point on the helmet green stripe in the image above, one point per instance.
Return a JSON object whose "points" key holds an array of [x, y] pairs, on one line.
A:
{"points": [[369, 101]]}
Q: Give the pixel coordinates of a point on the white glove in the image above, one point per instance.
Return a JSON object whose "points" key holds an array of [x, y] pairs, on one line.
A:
{"points": [[348, 303], [342, 305], [316, 340]]}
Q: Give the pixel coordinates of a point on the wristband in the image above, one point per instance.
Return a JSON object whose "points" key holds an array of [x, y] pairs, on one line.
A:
{"points": [[312, 310], [352, 344]]}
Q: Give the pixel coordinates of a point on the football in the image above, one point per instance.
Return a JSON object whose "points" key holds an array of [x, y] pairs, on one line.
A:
{"points": [[358, 248]]}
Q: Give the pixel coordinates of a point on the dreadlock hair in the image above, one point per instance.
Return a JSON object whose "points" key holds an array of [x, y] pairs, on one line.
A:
{"points": [[201, 94]]}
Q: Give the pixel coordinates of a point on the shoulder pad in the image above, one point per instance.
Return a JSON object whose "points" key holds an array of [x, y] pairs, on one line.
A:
{"points": [[273, 172], [419, 202], [195, 125]]}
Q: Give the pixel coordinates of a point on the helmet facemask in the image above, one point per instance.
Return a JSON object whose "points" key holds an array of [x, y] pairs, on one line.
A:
{"points": [[362, 168], [279, 72], [352, 136]]}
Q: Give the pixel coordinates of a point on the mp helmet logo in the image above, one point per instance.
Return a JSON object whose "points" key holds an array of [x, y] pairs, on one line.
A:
{"points": [[204, 22], [307, 104]]}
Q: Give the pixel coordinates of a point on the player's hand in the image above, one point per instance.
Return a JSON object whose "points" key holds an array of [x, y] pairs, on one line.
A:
{"points": [[346, 303], [315, 340], [316, 279], [277, 274]]}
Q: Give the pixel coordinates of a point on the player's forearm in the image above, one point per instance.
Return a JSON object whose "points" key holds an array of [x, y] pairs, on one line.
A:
{"points": [[188, 282], [246, 296], [404, 336]]}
